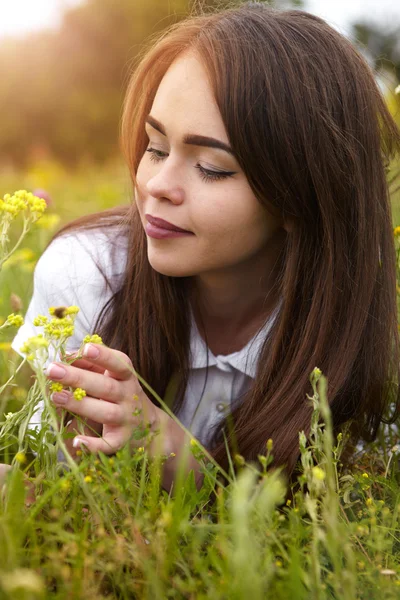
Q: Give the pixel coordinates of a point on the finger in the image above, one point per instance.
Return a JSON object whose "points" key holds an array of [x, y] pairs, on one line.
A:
{"points": [[100, 411], [117, 363], [94, 444], [97, 385], [82, 363]]}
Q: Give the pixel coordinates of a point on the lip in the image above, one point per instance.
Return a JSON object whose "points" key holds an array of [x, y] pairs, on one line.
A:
{"points": [[161, 224], [161, 234]]}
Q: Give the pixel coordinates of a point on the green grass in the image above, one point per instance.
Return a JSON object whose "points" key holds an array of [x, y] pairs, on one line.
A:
{"points": [[106, 529]]}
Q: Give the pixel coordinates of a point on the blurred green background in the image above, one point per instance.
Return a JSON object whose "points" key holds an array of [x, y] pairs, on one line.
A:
{"points": [[61, 90], [61, 94]]}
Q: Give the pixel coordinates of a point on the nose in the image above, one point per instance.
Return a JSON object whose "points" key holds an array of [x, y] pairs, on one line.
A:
{"points": [[166, 184]]}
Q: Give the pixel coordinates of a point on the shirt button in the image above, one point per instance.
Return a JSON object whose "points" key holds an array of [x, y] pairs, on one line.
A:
{"points": [[221, 407]]}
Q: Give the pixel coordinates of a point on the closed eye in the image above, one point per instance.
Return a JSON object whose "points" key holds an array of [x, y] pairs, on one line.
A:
{"points": [[207, 175]]}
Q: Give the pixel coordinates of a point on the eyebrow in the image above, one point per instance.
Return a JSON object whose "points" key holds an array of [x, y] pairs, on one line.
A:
{"points": [[192, 139]]}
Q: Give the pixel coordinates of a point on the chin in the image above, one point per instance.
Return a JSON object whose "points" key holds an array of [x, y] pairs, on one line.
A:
{"points": [[165, 267]]}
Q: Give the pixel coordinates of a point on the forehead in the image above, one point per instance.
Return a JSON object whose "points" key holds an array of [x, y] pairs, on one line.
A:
{"points": [[184, 101]]}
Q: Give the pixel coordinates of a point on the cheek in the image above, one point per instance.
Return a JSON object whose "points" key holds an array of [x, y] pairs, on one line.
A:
{"points": [[235, 220], [236, 234], [141, 174], [141, 182]]}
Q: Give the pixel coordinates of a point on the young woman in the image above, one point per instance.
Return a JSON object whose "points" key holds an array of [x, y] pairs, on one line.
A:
{"points": [[258, 245]]}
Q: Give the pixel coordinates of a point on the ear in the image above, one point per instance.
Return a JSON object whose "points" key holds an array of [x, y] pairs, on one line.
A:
{"points": [[288, 225]]}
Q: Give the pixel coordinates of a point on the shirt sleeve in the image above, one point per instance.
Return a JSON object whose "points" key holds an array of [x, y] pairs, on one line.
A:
{"points": [[68, 274], [65, 275]]}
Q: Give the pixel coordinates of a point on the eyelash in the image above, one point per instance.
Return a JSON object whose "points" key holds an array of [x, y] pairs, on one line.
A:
{"points": [[205, 174]]}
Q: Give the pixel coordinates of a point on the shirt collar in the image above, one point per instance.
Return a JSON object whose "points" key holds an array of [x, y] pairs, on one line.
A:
{"points": [[244, 360]]}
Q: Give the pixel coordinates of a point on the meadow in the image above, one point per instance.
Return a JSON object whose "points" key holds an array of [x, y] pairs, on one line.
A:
{"points": [[103, 527]]}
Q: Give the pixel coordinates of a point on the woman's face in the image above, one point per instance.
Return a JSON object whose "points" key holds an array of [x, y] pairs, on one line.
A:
{"points": [[195, 186]]}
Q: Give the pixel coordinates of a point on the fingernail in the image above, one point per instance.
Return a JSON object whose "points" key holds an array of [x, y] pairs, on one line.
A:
{"points": [[55, 371], [90, 351], [77, 442], [59, 397]]}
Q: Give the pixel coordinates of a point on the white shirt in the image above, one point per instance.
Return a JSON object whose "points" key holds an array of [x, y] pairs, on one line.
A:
{"points": [[66, 274]]}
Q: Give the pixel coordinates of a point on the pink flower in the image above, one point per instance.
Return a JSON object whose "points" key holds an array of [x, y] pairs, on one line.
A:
{"points": [[43, 194]]}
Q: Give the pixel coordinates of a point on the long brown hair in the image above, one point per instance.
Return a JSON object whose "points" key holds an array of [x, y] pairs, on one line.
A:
{"points": [[313, 135]]}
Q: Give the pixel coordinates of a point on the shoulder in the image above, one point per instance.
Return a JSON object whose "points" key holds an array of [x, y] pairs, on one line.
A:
{"points": [[82, 268], [84, 258]]}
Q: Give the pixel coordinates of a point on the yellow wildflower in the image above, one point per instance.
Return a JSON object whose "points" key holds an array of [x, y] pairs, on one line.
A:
{"points": [[365, 475], [59, 327], [79, 393], [95, 339], [40, 320], [141, 449], [32, 344], [396, 231], [20, 458], [65, 485], [88, 479], [14, 321], [56, 386], [318, 473], [22, 201], [72, 310], [369, 502]]}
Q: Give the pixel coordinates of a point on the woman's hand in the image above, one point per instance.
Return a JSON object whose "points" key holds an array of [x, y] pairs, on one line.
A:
{"points": [[114, 397]]}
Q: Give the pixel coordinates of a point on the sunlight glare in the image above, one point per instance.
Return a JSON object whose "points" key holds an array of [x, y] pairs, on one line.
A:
{"points": [[20, 16]]}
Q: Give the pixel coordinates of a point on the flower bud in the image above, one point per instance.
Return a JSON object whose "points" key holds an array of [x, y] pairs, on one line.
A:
{"points": [[40, 193], [16, 302]]}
